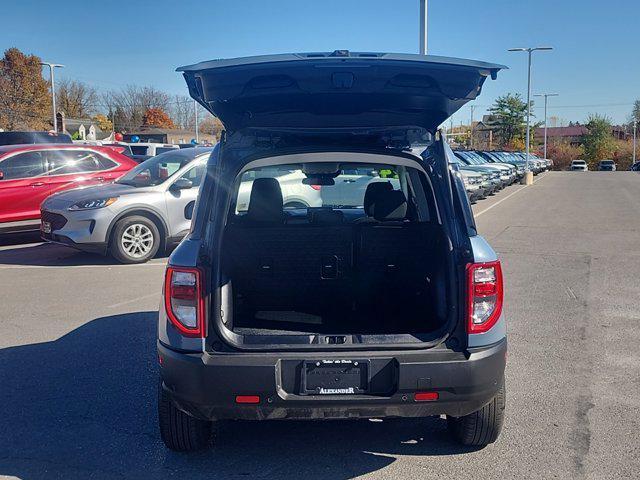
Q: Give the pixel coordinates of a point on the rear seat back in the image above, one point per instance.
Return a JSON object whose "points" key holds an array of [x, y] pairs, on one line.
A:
{"points": [[393, 254], [327, 264], [291, 267]]}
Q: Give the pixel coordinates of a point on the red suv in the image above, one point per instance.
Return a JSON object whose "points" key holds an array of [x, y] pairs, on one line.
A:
{"points": [[30, 173]]}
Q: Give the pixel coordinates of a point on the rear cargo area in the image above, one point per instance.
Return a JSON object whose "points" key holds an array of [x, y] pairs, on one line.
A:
{"points": [[370, 268]]}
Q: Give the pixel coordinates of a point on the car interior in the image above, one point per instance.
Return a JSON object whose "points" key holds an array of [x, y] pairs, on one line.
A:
{"points": [[369, 261]]}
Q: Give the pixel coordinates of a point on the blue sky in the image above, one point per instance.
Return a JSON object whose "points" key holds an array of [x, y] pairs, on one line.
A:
{"points": [[595, 66]]}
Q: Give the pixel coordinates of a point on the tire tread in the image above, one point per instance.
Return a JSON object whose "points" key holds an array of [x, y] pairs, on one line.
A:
{"points": [[179, 431], [483, 426]]}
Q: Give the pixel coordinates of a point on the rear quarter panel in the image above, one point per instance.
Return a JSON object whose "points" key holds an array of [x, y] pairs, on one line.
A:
{"points": [[482, 252]]}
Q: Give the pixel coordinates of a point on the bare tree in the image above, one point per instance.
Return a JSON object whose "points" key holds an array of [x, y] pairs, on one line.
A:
{"points": [[76, 99], [129, 105]]}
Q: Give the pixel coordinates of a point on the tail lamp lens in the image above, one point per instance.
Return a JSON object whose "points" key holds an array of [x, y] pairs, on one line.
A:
{"points": [[485, 296], [183, 300]]}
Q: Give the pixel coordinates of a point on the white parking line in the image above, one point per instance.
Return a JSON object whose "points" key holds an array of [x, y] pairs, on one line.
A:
{"points": [[522, 187], [133, 300]]}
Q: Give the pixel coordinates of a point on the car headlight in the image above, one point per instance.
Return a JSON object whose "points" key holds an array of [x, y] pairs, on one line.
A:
{"points": [[93, 203]]}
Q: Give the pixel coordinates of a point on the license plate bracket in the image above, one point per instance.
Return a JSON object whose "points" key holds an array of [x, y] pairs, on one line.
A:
{"points": [[335, 377]]}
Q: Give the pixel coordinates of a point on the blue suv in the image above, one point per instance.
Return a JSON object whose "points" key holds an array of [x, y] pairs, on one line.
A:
{"points": [[380, 300]]}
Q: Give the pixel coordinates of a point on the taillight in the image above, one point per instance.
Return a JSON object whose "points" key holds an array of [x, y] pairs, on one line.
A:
{"points": [[316, 187], [484, 295], [183, 300]]}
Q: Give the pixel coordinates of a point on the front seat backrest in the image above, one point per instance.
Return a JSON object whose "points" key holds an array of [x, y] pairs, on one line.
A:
{"points": [[391, 205], [265, 202], [372, 193]]}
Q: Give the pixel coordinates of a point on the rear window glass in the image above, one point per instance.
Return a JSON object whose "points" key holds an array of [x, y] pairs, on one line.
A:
{"points": [[139, 149], [344, 187], [160, 150]]}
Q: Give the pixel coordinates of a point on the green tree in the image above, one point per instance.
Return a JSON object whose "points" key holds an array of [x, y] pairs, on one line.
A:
{"points": [[25, 101], [509, 120], [598, 142]]}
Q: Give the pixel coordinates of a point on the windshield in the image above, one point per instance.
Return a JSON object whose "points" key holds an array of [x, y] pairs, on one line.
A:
{"points": [[607, 162], [472, 158], [155, 170]]}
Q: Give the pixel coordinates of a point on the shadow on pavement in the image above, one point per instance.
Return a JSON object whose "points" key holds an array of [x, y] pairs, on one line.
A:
{"points": [[52, 255], [84, 406], [19, 238]]}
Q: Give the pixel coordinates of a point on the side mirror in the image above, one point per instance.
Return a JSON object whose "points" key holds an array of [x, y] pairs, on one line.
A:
{"points": [[182, 184]]}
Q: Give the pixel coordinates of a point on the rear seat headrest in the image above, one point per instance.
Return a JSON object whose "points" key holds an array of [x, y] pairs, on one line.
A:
{"points": [[265, 202], [391, 205], [372, 193]]}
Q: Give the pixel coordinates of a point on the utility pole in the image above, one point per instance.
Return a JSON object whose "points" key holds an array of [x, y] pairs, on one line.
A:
{"points": [[471, 128], [53, 91], [195, 110], [423, 27], [528, 176], [546, 96]]}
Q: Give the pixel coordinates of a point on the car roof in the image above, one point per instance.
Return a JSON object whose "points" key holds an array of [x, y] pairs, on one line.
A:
{"points": [[187, 153], [53, 146]]}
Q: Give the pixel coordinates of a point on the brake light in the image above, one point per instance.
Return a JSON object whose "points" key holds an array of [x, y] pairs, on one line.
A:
{"points": [[484, 295], [316, 187], [247, 399], [183, 301]]}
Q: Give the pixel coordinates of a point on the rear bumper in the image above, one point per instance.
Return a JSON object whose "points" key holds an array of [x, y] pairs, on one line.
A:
{"points": [[205, 385]]}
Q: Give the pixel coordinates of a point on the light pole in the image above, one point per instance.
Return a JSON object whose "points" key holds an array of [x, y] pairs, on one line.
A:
{"points": [[471, 128], [546, 96], [53, 91], [528, 176], [195, 111], [635, 130], [423, 27]]}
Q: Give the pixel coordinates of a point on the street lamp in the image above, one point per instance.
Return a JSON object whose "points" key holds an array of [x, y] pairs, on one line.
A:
{"points": [[528, 178], [546, 96], [195, 112], [53, 91], [635, 129], [423, 27]]}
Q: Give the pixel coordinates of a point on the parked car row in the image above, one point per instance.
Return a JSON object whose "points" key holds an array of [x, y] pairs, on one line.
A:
{"points": [[487, 172]]}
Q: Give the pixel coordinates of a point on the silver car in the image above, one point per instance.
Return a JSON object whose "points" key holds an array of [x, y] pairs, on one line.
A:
{"points": [[146, 210]]}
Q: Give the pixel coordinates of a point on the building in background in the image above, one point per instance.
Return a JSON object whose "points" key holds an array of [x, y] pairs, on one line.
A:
{"points": [[168, 135]]}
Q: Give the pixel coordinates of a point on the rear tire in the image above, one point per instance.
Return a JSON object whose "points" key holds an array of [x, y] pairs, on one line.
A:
{"points": [[134, 229], [482, 427], [181, 432]]}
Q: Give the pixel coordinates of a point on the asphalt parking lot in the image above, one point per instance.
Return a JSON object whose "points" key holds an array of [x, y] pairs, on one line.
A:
{"points": [[78, 365]]}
